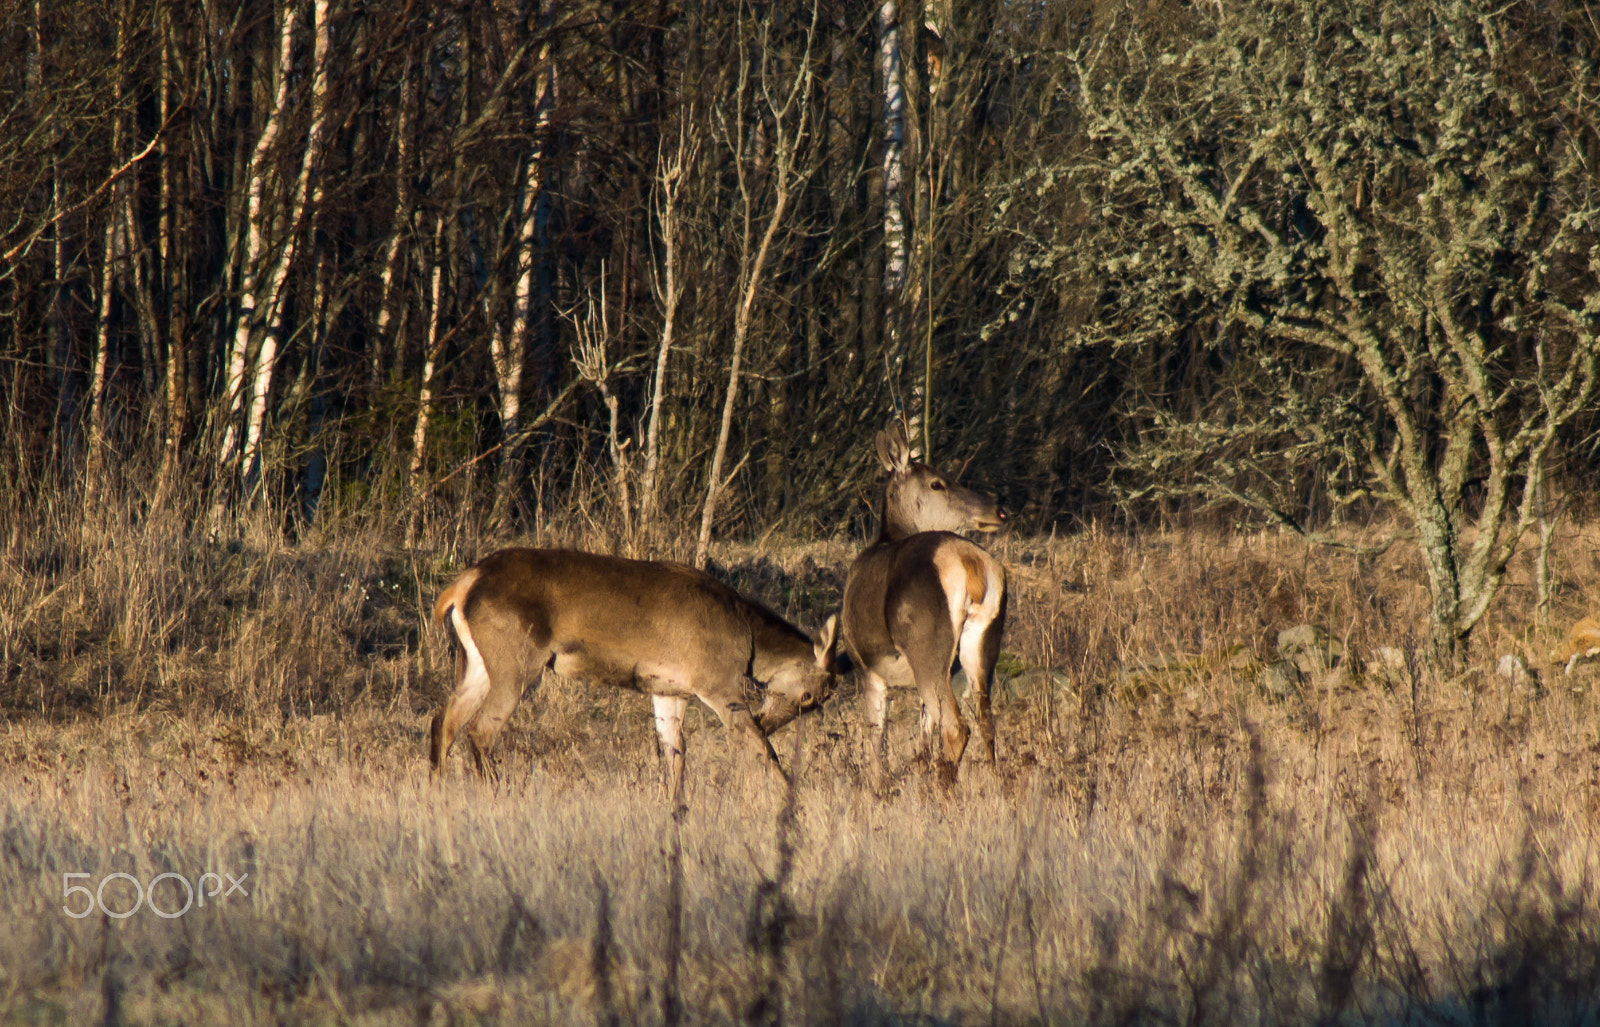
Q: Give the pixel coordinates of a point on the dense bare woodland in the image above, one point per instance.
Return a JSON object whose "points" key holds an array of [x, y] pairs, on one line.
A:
{"points": [[1277, 326], [517, 256]]}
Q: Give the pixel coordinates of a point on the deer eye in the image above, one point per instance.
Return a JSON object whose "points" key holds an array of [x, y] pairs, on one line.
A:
{"points": [[936, 485]]}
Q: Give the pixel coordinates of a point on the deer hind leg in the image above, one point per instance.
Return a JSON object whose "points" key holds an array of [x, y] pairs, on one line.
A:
{"points": [[483, 731], [495, 661], [930, 658], [875, 700], [979, 651], [669, 711], [472, 688]]}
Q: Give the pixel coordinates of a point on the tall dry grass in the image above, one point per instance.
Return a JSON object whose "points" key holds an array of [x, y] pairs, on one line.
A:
{"points": [[1165, 838]]}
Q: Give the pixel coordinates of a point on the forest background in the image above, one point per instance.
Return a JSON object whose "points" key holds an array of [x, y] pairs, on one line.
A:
{"points": [[306, 304], [674, 262]]}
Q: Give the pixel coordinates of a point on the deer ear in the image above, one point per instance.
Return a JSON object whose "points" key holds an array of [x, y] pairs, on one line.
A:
{"points": [[893, 451], [826, 639]]}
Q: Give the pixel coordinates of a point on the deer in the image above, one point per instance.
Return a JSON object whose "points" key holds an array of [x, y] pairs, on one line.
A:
{"points": [[920, 598], [665, 629]]}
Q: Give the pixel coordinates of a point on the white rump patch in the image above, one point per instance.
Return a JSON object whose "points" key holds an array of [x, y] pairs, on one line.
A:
{"points": [[978, 618], [965, 615], [953, 581]]}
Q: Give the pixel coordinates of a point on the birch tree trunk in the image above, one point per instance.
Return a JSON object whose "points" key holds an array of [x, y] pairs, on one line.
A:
{"points": [[252, 282], [62, 443], [114, 251], [430, 357], [102, 348], [174, 286], [306, 200], [400, 228], [893, 170], [915, 199], [59, 344], [921, 83], [509, 349]]}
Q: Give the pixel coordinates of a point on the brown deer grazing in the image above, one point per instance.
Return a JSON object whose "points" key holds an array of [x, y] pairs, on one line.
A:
{"points": [[921, 597], [665, 629]]}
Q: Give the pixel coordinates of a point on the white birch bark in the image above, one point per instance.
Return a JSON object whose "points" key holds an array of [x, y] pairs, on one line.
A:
{"points": [[430, 358], [174, 388], [255, 242], [102, 343], [306, 200], [896, 257], [60, 352], [894, 218], [115, 247], [533, 191], [164, 213], [33, 66], [508, 345], [60, 338], [401, 222], [509, 348]]}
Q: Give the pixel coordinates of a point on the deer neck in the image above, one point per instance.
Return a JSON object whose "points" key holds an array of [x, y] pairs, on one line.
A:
{"points": [[893, 523]]}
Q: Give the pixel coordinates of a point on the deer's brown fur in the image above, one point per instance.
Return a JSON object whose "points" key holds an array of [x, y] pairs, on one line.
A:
{"points": [[919, 599], [661, 628]]}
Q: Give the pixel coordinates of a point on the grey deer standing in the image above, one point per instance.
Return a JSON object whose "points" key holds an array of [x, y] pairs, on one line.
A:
{"points": [[665, 629], [921, 597]]}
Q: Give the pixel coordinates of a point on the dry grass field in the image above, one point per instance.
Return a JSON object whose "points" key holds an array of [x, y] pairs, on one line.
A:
{"points": [[1175, 833]]}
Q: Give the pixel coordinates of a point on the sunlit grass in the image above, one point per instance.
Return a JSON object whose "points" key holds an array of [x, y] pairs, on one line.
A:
{"points": [[1179, 846]]}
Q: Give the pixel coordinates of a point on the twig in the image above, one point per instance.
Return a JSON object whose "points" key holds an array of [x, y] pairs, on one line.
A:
{"points": [[533, 426], [127, 166]]}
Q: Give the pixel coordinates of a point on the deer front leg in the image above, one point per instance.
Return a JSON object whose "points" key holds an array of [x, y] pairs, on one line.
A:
{"points": [[930, 666], [875, 700], [742, 729], [955, 733], [669, 711]]}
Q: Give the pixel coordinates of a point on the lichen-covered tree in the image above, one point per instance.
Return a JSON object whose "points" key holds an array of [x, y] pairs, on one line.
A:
{"points": [[1376, 228]]}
